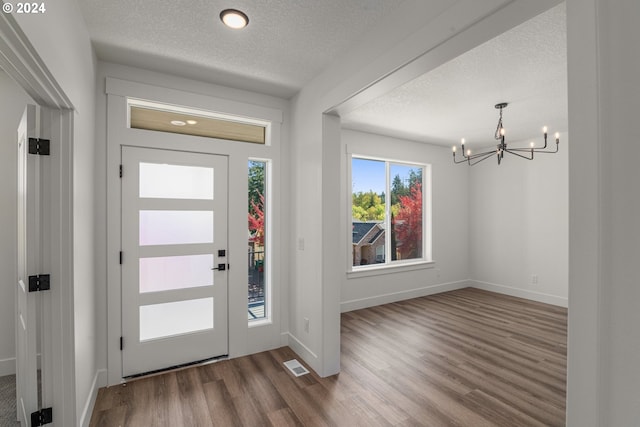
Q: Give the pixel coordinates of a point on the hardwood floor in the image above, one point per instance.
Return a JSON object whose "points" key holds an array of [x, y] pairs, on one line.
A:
{"points": [[461, 358]]}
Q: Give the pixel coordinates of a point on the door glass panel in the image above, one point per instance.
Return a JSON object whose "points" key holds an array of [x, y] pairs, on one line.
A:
{"points": [[175, 318], [175, 227], [175, 181], [175, 272]]}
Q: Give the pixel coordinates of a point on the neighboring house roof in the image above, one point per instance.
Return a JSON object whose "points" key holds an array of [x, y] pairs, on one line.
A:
{"points": [[375, 237], [360, 231]]}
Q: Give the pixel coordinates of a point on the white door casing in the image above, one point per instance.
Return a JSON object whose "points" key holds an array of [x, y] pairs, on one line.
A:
{"points": [[174, 223], [32, 238]]}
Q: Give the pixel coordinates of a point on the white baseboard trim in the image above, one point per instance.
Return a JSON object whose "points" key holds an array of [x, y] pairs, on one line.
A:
{"points": [[7, 366], [521, 293], [358, 304], [99, 380], [303, 351], [284, 339]]}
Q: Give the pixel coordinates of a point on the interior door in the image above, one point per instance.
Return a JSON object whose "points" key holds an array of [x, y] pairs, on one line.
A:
{"points": [[28, 246], [174, 260]]}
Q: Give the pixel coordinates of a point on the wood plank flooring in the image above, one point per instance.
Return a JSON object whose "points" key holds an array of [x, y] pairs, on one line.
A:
{"points": [[461, 358]]}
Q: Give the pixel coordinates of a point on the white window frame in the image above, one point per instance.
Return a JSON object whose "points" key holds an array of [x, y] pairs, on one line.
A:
{"points": [[427, 225]]}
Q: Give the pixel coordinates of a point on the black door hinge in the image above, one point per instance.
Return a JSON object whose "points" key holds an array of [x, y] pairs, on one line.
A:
{"points": [[39, 283], [121, 343], [42, 417], [120, 171], [39, 146], [120, 257]]}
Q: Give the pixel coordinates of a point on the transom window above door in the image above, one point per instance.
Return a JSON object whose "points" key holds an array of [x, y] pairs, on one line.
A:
{"points": [[188, 121]]}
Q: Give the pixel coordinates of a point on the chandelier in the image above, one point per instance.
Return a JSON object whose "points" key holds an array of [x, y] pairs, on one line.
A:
{"points": [[526, 153]]}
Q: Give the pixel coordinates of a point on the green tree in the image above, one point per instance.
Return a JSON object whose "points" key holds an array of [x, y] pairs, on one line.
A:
{"points": [[367, 206], [415, 176], [397, 189], [256, 185]]}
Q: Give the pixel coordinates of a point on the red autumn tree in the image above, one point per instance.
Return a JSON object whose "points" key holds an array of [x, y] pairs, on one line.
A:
{"points": [[408, 223], [256, 221]]}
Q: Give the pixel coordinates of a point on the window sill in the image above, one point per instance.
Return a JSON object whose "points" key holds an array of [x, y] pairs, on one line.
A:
{"points": [[377, 270], [259, 322]]}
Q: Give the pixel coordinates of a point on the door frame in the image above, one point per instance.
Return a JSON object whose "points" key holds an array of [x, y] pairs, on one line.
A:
{"points": [[243, 339], [22, 63]]}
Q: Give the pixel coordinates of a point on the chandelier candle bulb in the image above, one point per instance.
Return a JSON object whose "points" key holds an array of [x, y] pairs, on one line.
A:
{"points": [[454, 148], [544, 130], [557, 137]]}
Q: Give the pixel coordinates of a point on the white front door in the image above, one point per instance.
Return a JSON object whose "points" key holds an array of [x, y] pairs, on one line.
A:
{"points": [[29, 263], [174, 260]]}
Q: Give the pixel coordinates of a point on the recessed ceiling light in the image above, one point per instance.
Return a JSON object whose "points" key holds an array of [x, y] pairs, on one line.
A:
{"points": [[191, 122], [233, 18], [178, 123]]}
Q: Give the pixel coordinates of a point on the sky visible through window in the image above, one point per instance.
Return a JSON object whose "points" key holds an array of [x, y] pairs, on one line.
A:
{"points": [[369, 175]]}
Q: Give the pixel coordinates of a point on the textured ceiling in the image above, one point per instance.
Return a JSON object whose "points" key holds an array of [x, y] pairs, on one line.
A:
{"points": [[287, 42], [525, 67]]}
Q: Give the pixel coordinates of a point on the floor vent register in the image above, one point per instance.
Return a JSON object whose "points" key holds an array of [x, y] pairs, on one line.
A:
{"points": [[296, 367]]}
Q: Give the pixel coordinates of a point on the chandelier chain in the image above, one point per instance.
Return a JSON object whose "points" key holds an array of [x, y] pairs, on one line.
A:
{"points": [[497, 135]]}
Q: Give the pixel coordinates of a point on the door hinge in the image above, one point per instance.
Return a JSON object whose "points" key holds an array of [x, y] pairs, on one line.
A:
{"points": [[39, 283], [120, 171], [39, 146], [121, 343], [42, 417], [121, 257]]}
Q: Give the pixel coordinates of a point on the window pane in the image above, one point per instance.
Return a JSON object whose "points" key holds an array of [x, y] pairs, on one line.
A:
{"points": [[175, 318], [368, 182], [256, 245], [406, 212], [175, 181], [175, 227], [175, 272]]}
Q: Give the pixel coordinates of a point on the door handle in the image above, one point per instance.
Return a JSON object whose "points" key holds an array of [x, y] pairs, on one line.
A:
{"points": [[220, 267]]}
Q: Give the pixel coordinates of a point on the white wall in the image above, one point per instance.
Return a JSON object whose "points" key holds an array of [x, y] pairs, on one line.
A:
{"points": [[604, 100], [450, 242], [620, 151], [13, 101], [518, 216], [62, 41]]}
